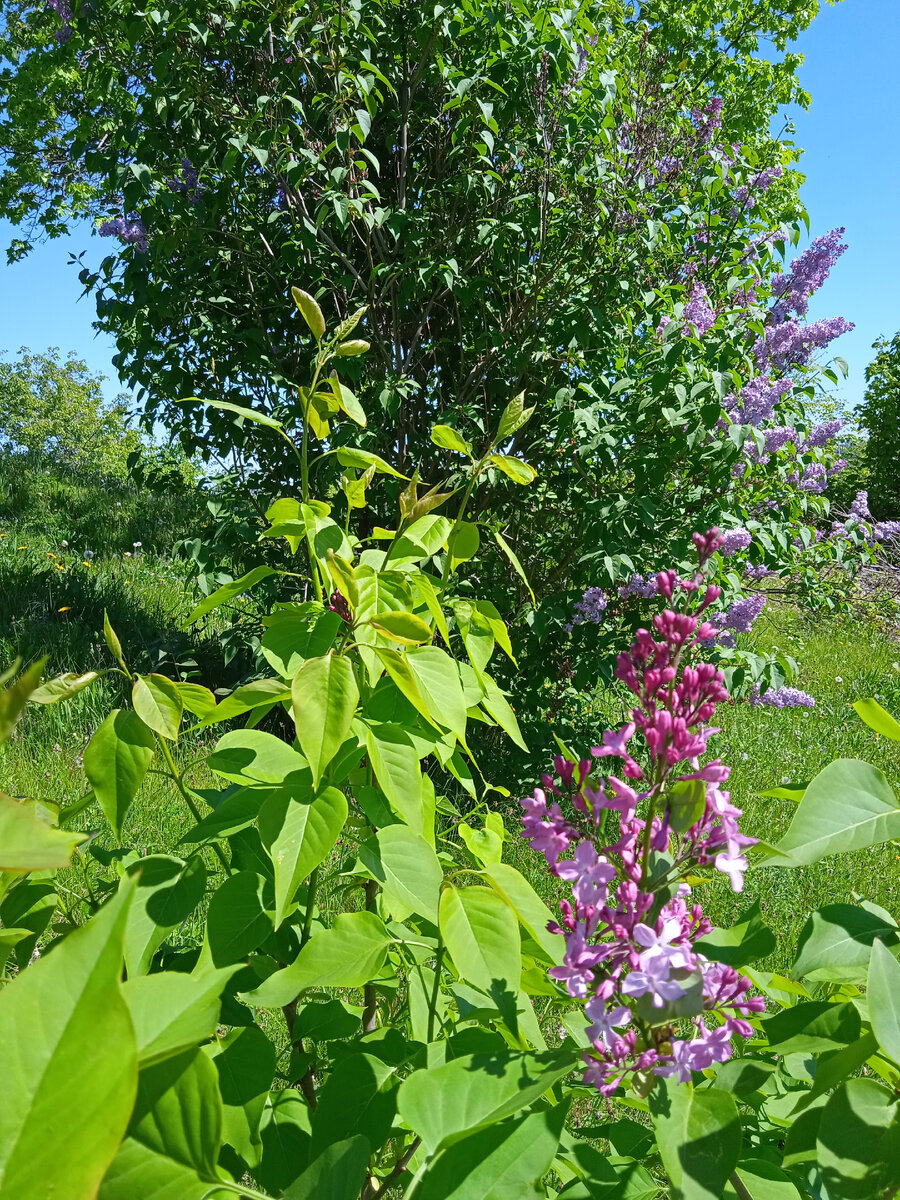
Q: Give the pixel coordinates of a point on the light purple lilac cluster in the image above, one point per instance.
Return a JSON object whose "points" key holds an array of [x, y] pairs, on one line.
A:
{"points": [[127, 229], [807, 274], [792, 344], [707, 119], [734, 540], [590, 607], [187, 181], [758, 571], [638, 586], [757, 400], [782, 697], [698, 311], [820, 435], [656, 1005]]}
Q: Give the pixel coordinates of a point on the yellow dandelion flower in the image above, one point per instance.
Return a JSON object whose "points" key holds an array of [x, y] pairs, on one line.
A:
{"points": [[85, 563], [127, 582], [65, 608], [50, 554], [3, 535], [23, 547], [59, 566]]}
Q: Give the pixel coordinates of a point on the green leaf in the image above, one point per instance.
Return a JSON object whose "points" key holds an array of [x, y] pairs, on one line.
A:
{"points": [[29, 844], [406, 867], [178, 1112], [168, 892], [345, 398], [324, 696], [299, 829], [396, 765], [358, 1098], [115, 762], [481, 933], [449, 439], [350, 456], [532, 912], [444, 1104], [686, 800], [518, 471], [762, 1180], [237, 920], [292, 637], [230, 591], [310, 311], [249, 756], [139, 1173], [857, 1141], [513, 558], [464, 543], [878, 719], [249, 414], [502, 1162], [515, 415], [397, 667], [484, 845], [403, 627], [437, 676], [245, 1062], [883, 995], [835, 944], [699, 1138], [349, 954], [812, 1027], [339, 1172], [62, 687], [112, 641], [744, 942], [848, 806], [494, 702], [172, 1012], [261, 693], [159, 704], [196, 699], [14, 698], [67, 1001]]}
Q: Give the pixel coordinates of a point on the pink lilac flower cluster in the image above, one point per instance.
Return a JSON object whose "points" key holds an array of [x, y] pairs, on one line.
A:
{"points": [[782, 697], [656, 1004]]}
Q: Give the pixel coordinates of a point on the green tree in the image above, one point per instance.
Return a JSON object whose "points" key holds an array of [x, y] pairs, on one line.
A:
{"points": [[53, 408], [880, 416]]}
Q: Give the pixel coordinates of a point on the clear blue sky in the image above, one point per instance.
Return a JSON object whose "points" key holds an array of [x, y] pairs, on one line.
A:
{"points": [[852, 163]]}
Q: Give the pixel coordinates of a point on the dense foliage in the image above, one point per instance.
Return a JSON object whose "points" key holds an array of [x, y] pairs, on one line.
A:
{"points": [[880, 415], [364, 998]]}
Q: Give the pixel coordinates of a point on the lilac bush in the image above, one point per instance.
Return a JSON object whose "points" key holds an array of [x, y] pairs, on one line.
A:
{"points": [[656, 1005]]}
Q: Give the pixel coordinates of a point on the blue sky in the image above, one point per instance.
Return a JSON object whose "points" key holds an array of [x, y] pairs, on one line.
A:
{"points": [[851, 137]]}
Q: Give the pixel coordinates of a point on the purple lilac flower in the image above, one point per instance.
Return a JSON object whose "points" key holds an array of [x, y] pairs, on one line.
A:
{"points": [[790, 344], [590, 607], [757, 401], [698, 311], [837, 466], [815, 478], [129, 230], [807, 274], [638, 586], [820, 434], [734, 540], [860, 506], [626, 965], [187, 181], [758, 571], [63, 10], [783, 697], [886, 529], [708, 119], [741, 615]]}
